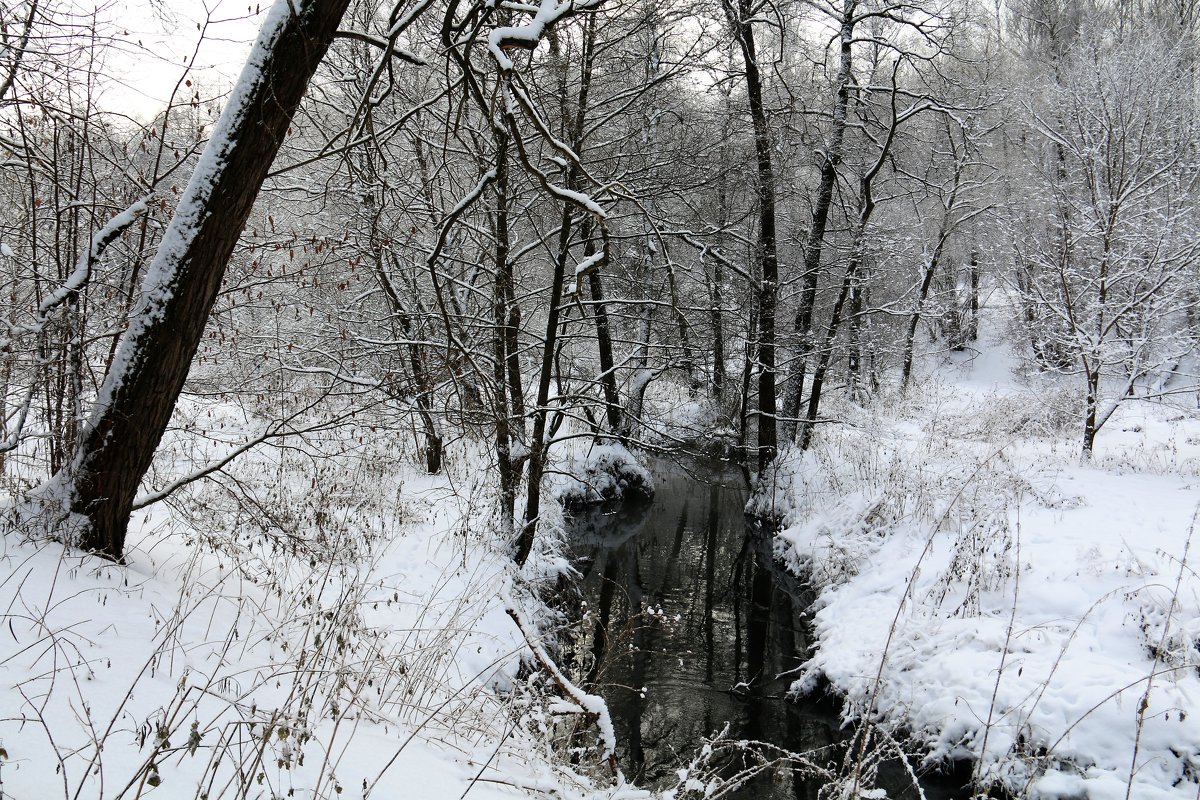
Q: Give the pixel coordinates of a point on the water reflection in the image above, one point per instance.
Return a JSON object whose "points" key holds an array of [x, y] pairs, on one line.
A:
{"points": [[690, 624]]}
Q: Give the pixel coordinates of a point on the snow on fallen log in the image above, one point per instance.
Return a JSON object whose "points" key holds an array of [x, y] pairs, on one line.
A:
{"points": [[591, 705]]}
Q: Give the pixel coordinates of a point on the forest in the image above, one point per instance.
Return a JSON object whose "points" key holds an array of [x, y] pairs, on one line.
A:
{"points": [[336, 400]]}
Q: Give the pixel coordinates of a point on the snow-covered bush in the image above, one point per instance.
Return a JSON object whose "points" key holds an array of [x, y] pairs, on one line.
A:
{"points": [[588, 472]]}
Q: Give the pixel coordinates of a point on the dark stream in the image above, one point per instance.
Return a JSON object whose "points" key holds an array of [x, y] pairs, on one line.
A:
{"points": [[689, 623]]}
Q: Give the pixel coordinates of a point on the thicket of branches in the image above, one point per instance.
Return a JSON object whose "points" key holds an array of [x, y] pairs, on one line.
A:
{"points": [[509, 222]]}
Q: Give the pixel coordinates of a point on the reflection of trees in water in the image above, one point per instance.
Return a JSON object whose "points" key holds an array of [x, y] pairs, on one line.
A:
{"points": [[691, 554], [694, 554]]}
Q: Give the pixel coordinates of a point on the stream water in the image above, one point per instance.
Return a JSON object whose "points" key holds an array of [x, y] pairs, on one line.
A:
{"points": [[689, 623]]}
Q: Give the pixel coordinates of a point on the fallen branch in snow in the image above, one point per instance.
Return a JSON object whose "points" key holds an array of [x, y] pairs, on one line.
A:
{"points": [[591, 706]]}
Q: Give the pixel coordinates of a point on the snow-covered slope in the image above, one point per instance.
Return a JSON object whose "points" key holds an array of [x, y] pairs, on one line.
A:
{"points": [[319, 624], [985, 594]]}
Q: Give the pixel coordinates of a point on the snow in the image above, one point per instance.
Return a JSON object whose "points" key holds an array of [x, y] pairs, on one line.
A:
{"points": [[82, 271], [986, 594], [528, 35], [588, 263], [83, 268], [582, 200], [584, 471], [584, 702], [674, 418], [159, 283], [347, 628]]}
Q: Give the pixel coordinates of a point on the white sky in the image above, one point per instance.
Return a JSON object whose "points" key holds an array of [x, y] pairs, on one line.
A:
{"points": [[168, 32]]}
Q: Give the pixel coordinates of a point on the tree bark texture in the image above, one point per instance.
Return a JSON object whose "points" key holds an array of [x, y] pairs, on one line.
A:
{"points": [[768, 292], [155, 354], [509, 398]]}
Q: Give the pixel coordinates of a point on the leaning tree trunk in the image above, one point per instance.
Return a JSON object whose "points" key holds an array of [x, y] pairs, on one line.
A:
{"points": [[537, 443], [155, 354], [575, 137], [824, 354], [866, 207], [854, 336], [945, 228]]}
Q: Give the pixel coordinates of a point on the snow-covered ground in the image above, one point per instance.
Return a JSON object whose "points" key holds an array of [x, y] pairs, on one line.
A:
{"points": [[323, 622], [983, 593]]}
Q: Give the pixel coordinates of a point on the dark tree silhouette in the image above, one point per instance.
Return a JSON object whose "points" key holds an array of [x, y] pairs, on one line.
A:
{"points": [[155, 353]]}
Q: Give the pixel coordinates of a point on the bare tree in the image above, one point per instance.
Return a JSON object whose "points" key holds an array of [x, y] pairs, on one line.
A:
{"points": [[155, 354], [1107, 284], [741, 18]]}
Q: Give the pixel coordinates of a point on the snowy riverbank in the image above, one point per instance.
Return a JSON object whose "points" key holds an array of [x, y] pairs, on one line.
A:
{"points": [[323, 621], [987, 596]]}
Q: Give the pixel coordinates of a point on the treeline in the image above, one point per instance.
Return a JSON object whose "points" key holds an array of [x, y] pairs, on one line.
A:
{"points": [[515, 223]]}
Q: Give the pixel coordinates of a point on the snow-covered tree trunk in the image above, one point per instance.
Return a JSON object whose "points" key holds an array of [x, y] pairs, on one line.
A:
{"points": [[139, 392]]}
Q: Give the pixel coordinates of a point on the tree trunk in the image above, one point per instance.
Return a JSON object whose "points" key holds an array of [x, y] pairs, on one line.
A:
{"points": [[608, 369], [866, 207], [695, 383], [748, 353], [642, 373], [973, 300], [155, 354], [1092, 402], [537, 442], [604, 342], [910, 335], [416, 365], [717, 321], [652, 248], [814, 244], [768, 292], [364, 171], [824, 354], [508, 391], [854, 357]]}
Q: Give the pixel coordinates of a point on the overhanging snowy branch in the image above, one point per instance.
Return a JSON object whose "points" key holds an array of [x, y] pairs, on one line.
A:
{"points": [[82, 272], [591, 705]]}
